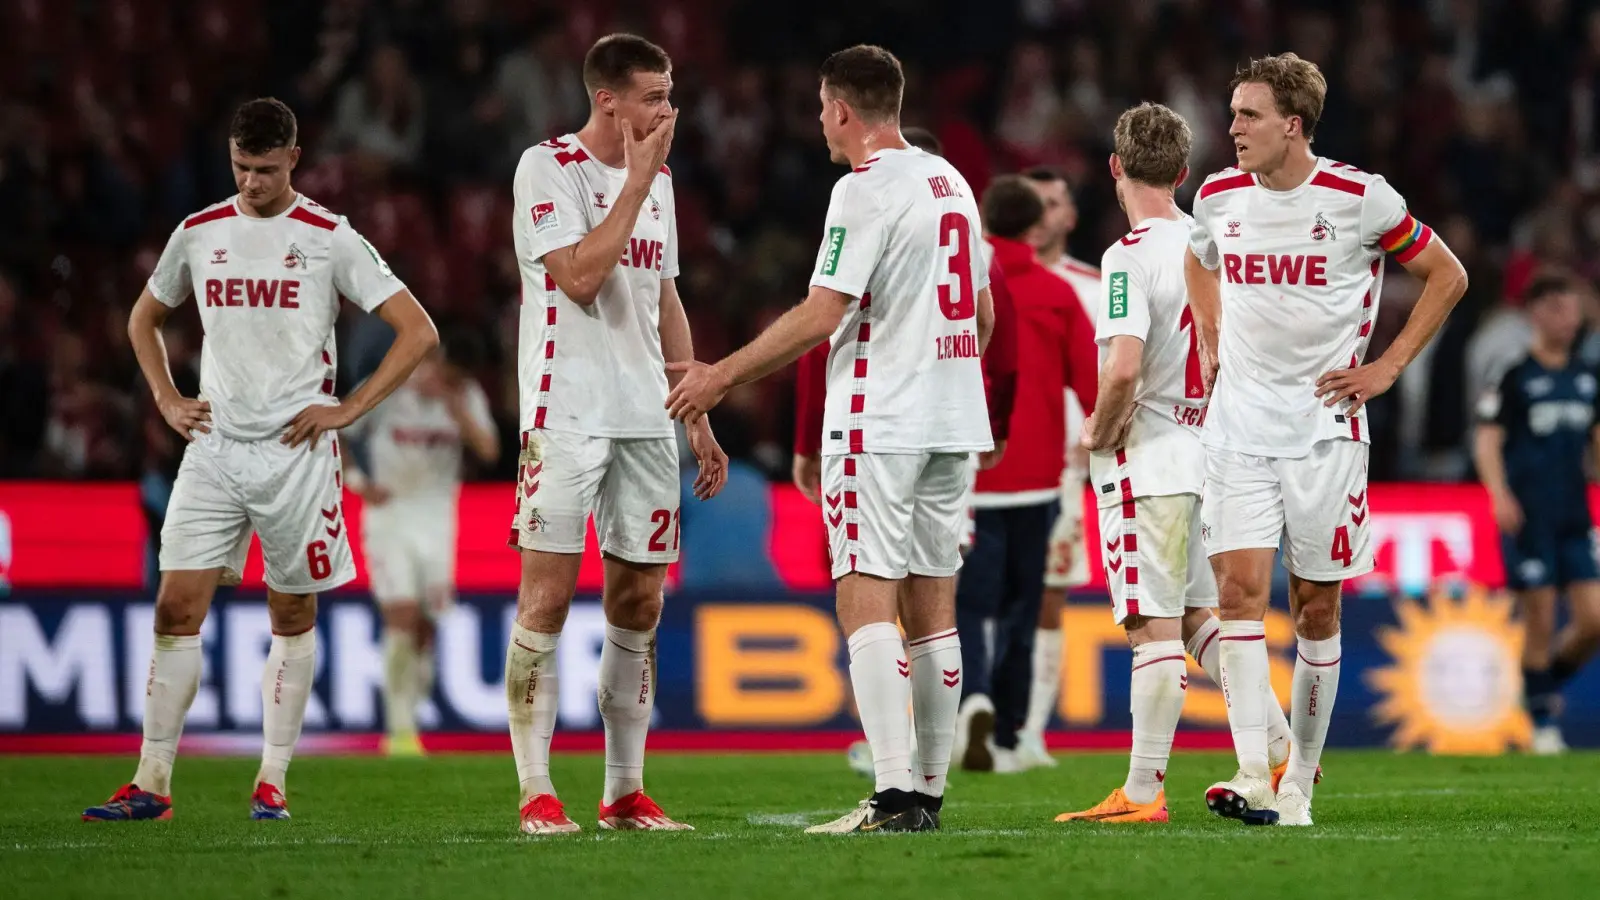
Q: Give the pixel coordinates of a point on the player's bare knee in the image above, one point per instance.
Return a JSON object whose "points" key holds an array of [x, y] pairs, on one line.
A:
{"points": [[180, 608], [1316, 609], [1195, 618], [291, 613], [1241, 598], [404, 617], [634, 606]]}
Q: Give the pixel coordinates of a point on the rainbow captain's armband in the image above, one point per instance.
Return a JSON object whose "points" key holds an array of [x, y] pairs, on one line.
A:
{"points": [[1406, 240]]}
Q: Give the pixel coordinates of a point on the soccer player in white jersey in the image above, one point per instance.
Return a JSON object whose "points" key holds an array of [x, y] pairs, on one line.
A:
{"points": [[901, 286], [596, 235], [1285, 271], [1067, 565], [409, 480], [267, 267], [1148, 462]]}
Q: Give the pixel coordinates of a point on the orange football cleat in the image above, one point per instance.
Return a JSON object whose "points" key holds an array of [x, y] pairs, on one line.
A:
{"points": [[1118, 808]]}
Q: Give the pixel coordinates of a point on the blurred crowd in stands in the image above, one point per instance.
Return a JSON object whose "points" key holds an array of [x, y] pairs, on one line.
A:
{"points": [[413, 113]]}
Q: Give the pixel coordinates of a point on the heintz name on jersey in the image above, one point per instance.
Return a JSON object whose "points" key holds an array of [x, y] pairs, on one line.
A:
{"points": [[642, 254], [264, 292], [957, 346], [1276, 268]]}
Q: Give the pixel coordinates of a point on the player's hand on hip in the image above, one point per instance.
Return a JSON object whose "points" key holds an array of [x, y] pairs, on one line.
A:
{"points": [[1358, 385], [703, 386], [374, 494], [713, 462], [313, 421], [808, 477], [644, 158], [187, 416]]}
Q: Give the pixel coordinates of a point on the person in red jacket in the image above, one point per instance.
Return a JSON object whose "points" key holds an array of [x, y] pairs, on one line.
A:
{"points": [[1016, 501]]}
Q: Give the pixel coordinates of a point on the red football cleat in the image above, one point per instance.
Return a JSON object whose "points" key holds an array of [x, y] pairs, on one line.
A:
{"points": [[544, 814], [637, 812]]}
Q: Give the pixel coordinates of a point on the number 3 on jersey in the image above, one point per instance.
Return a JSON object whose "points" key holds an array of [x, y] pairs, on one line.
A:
{"points": [[955, 232]]}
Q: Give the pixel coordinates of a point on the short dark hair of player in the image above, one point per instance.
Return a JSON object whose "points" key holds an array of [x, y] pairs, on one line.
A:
{"points": [[1044, 174], [1544, 287], [1011, 207], [1297, 85], [867, 77], [613, 59], [922, 139], [1153, 143], [263, 125]]}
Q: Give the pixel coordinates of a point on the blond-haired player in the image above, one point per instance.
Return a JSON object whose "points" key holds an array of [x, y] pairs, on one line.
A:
{"points": [[1285, 273], [1147, 462]]}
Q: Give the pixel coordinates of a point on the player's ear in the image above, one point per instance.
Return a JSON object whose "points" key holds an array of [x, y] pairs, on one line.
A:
{"points": [[294, 157], [1115, 163], [1296, 126], [1183, 175]]}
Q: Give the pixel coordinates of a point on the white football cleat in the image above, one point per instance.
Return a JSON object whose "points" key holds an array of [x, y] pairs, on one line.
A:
{"points": [[1006, 761], [1292, 804], [1032, 752], [1547, 741], [1247, 798], [974, 727]]}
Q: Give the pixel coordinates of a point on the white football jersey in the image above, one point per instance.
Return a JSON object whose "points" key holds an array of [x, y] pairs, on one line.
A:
{"points": [[268, 291], [1085, 282], [1302, 272], [1143, 296], [595, 370], [903, 236], [414, 445]]}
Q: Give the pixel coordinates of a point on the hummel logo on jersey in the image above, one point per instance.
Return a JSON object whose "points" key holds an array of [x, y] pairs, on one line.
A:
{"points": [[1323, 230], [294, 258], [1233, 230], [830, 259], [219, 256], [600, 200], [1119, 295]]}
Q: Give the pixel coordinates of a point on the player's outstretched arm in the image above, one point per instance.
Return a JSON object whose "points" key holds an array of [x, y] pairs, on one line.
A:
{"points": [[414, 338], [1107, 426], [677, 345], [795, 332], [1444, 280], [183, 414], [580, 269], [1204, 287]]}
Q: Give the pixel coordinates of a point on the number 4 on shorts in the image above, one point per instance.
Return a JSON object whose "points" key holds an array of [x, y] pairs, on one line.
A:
{"points": [[1341, 545]]}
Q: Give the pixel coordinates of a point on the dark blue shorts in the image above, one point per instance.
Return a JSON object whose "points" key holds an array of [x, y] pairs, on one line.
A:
{"points": [[1538, 557]]}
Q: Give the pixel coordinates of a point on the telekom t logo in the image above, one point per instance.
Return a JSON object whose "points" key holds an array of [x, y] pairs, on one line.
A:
{"points": [[1414, 537]]}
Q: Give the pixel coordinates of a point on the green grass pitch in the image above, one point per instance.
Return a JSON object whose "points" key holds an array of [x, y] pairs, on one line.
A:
{"points": [[1387, 826]]}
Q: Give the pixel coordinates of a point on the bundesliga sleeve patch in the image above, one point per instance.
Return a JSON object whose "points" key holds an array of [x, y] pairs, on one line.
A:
{"points": [[1118, 307], [1406, 240], [830, 260], [382, 266], [545, 218]]}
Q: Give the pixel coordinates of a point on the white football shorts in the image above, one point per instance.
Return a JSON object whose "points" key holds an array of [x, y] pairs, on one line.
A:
{"points": [[629, 485], [410, 547], [894, 514], [1154, 559], [1067, 565], [1316, 504], [290, 496]]}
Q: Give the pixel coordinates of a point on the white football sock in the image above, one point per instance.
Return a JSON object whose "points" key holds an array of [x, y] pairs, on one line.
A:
{"points": [[1206, 651], [880, 675], [1157, 691], [285, 688], [174, 678], [532, 690], [1316, 684], [1046, 685], [426, 671], [400, 681], [1244, 667], [627, 695], [936, 693]]}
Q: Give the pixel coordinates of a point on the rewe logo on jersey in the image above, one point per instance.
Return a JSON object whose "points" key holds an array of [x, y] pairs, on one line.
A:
{"points": [[1119, 296], [1276, 268], [830, 259], [641, 254], [264, 292]]}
